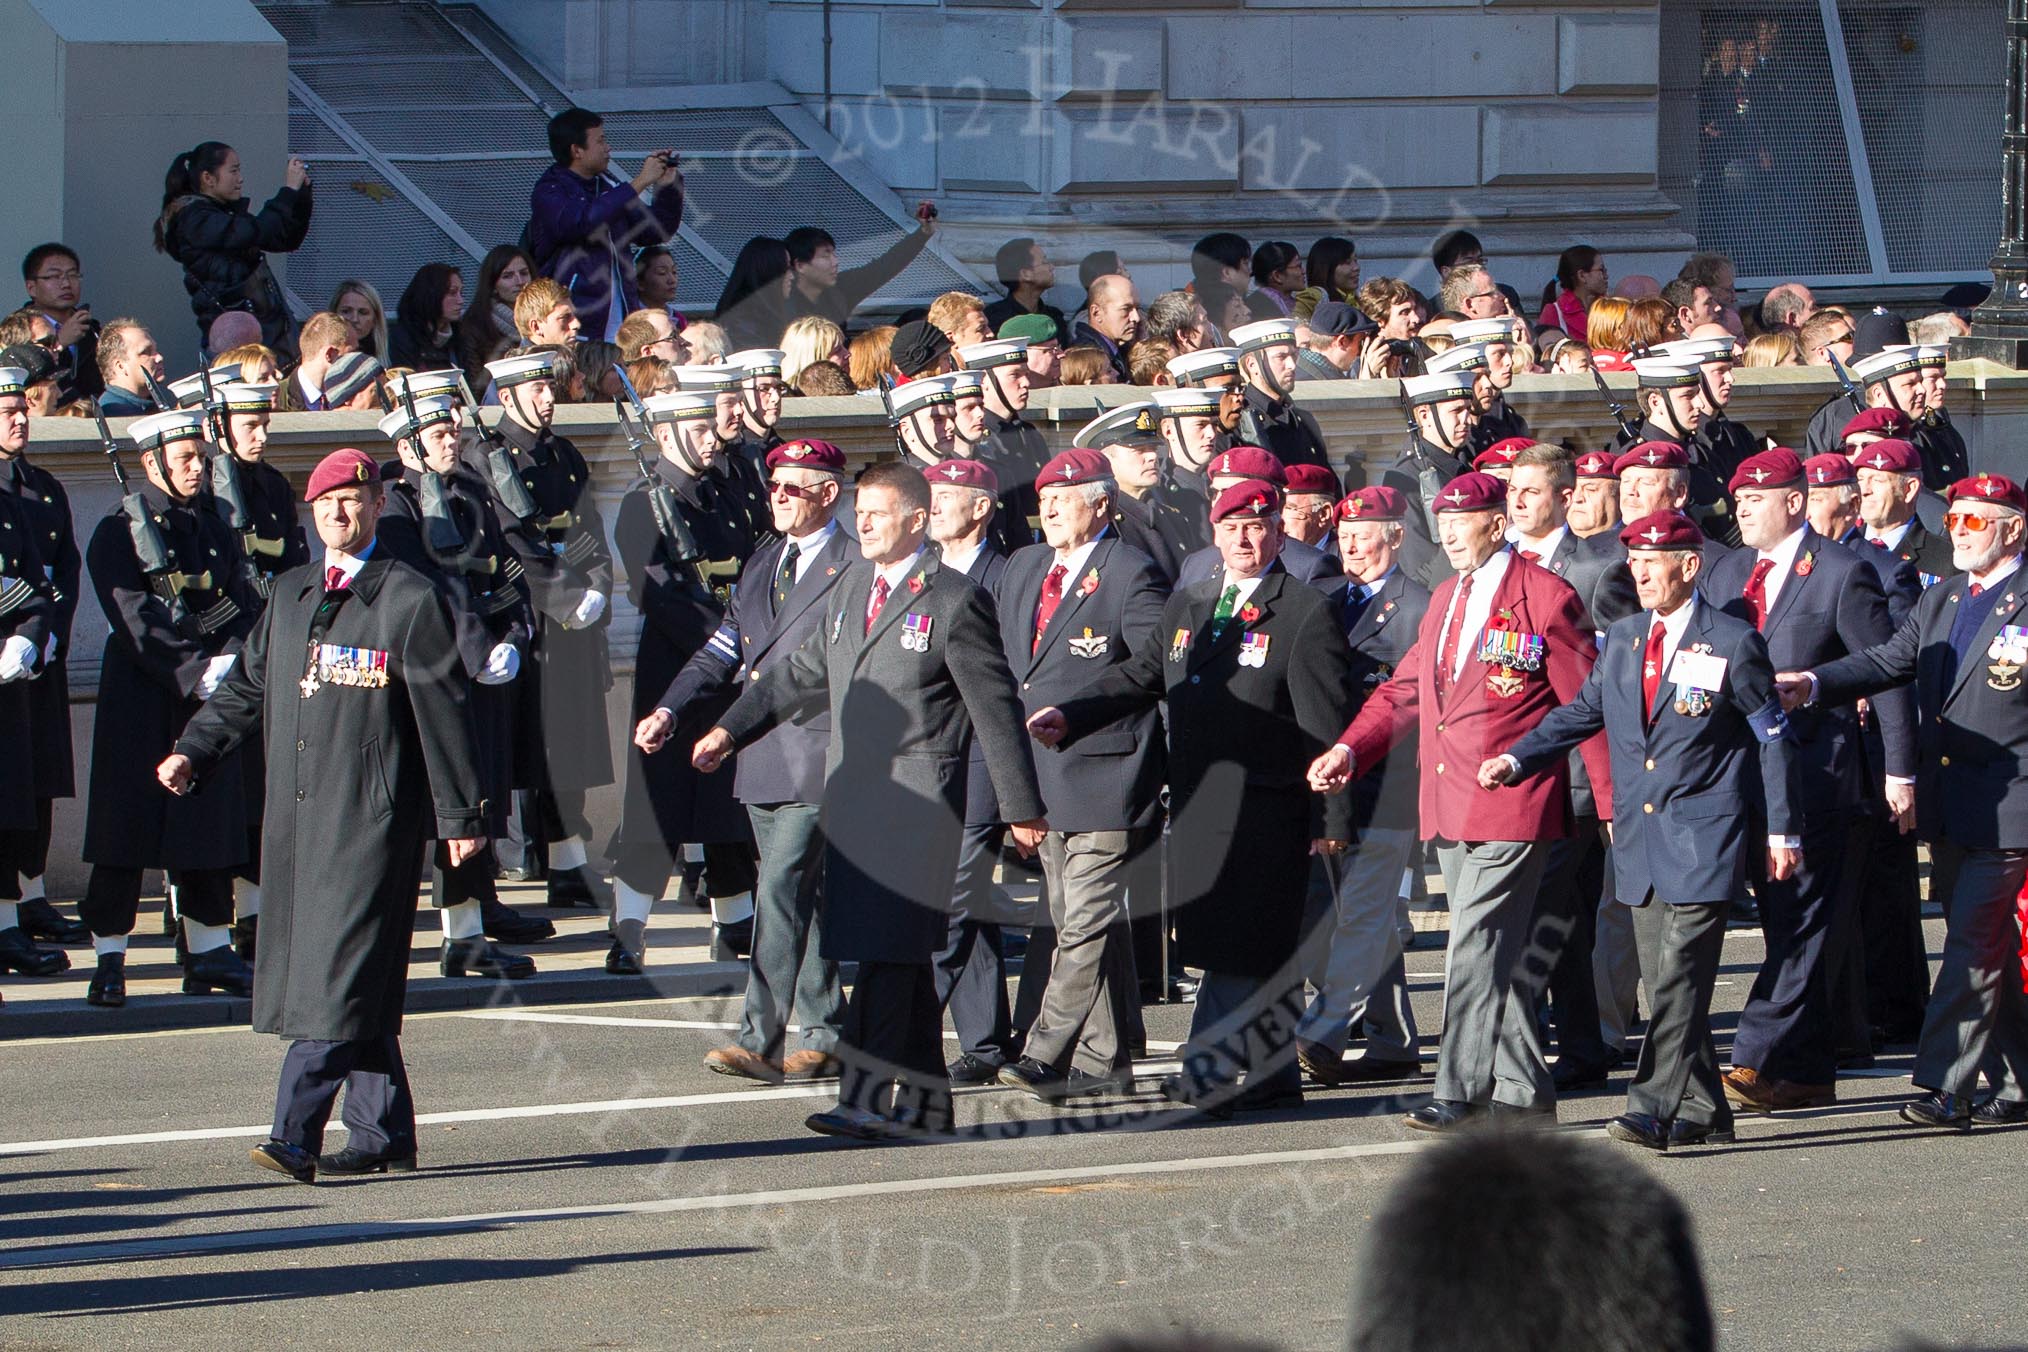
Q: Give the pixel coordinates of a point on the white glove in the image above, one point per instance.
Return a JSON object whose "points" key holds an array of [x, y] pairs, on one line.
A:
{"points": [[17, 658], [214, 675], [589, 608], [503, 664]]}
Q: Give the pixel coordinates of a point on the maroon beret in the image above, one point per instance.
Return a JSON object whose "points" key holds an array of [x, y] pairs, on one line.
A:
{"points": [[1248, 497], [1884, 422], [1078, 465], [1502, 452], [1984, 487], [1829, 470], [339, 469], [1311, 479], [1472, 492], [1248, 462], [1379, 503], [807, 454], [1662, 530], [1652, 455], [965, 474], [1774, 468], [1597, 465], [1891, 454]]}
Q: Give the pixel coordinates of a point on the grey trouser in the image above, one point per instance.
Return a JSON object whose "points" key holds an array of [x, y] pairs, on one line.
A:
{"points": [[1492, 1045]]}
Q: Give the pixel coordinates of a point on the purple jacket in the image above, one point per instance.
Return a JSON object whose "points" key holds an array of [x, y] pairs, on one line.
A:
{"points": [[584, 233]]}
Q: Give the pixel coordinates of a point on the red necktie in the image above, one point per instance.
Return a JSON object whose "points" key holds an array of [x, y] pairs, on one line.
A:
{"points": [[1530, 555], [1447, 651], [875, 603], [1755, 594], [1052, 597], [1877, 542], [1977, 588], [335, 579], [1651, 670]]}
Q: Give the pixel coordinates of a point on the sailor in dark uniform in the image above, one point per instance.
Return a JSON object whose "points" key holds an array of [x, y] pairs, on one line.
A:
{"points": [[1720, 443], [1940, 441], [1498, 419], [1215, 369], [1146, 513], [1271, 419], [741, 488], [1189, 418], [1444, 414], [1014, 447], [923, 413], [1673, 399], [761, 393]]}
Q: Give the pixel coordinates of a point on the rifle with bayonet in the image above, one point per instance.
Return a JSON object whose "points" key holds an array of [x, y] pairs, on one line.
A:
{"points": [[500, 471], [669, 522], [1629, 429], [151, 551]]}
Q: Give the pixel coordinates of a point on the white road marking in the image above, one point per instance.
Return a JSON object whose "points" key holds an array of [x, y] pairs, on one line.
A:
{"points": [[267, 1238], [608, 1021]]}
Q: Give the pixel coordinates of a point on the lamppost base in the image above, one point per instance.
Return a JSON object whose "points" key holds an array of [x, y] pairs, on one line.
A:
{"points": [[2004, 344]]}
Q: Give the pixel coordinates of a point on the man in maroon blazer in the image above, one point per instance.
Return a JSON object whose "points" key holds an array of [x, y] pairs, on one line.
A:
{"points": [[1502, 643]]}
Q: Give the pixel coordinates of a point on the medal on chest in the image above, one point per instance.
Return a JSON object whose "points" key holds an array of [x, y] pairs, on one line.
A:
{"points": [[915, 633], [1179, 645], [1508, 652], [333, 664], [1253, 649], [2005, 657]]}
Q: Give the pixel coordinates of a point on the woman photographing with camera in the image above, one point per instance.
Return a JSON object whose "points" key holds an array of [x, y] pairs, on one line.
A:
{"points": [[207, 226]]}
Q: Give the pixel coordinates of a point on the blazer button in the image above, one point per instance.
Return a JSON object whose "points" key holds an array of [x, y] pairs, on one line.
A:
{"points": [[1943, 760], [1440, 727], [302, 746], [1651, 765], [1440, 767], [1198, 680], [299, 795], [1648, 808]]}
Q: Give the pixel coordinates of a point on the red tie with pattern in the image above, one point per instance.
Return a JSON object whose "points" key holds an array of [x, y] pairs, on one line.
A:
{"points": [[1530, 555], [1447, 651], [1755, 594], [335, 579], [1651, 670], [1977, 588], [875, 603], [1052, 597]]}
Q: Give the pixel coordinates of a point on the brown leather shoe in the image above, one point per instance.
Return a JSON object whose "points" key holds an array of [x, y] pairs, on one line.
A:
{"points": [[1321, 1064], [1746, 1089], [1789, 1095], [807, 1063], [737, 1060]]}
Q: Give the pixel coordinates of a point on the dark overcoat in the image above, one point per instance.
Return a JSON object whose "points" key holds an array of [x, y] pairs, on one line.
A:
{"points": [[44, 502]]}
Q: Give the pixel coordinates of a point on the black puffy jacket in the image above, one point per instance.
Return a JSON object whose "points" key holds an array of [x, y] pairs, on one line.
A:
{"points": [[222, 248]]}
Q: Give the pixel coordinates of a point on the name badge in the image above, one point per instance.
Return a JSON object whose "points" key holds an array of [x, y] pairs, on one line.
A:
{"points": [[1253, 650], [915, 633], [1697, 671]]}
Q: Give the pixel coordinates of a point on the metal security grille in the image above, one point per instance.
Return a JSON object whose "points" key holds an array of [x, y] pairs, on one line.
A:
{"points": [[1838, 141], [428, 129]]}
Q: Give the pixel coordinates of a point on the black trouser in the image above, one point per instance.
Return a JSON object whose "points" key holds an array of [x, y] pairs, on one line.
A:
{"points": [[24, 853], [379, 1111], [1788, 1030], [894, 1032], [1570, 894], [472, 880], [729, 869], [1896, 957], [971, 968], [112, 898], [560, 813]]}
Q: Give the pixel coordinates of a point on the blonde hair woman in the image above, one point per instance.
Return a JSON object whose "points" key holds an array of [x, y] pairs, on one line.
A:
{"points": [[811, 338]]}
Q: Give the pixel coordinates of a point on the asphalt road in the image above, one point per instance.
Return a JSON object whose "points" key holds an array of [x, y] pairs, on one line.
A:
{"points": [[587, 1184]]}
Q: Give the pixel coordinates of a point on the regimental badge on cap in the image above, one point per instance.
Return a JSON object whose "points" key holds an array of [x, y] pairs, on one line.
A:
{"points": [[707, 379], [247, 398], [1206, 363], [1266, 333], [1000, 352], [1134, 425], [13, 380], [1460, 357], [757, 361], [159, 429], [1483, 331], [1437, 387], [428, 413], [1664, 373], [1829, 470], [1891, 361], [1596, 465], [1377, 502], [511, 371], [1187, 403], [679, 406], [966, 384], [918, 395], [425, 385]]}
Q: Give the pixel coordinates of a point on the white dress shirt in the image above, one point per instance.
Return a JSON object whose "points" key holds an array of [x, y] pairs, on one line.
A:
{"points": [[1542, 548], [1893, 535], [348, 564], [1073, 563], [809, 546], [963, 562], [1486, 579], [896, 574], [1784, 556]]}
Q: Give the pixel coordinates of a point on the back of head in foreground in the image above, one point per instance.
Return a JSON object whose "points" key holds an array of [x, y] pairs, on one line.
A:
{"points": [[1533, 1242]]}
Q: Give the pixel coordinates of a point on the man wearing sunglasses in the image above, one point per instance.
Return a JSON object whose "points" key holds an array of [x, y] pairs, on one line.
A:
{"points": [[778, 603], [1964, 649]]}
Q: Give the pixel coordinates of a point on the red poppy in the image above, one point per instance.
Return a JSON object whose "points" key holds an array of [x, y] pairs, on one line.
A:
{"points": [[915, 584], [1502, 621], [1249, 613], [1090, 583], [1805, 565]]}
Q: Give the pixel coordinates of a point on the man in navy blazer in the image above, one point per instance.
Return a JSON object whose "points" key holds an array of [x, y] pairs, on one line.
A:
{"points": [[1813, 601], [1965, 649], [1313, 564], [1701, 767], [1070, 609], [780, 777]]}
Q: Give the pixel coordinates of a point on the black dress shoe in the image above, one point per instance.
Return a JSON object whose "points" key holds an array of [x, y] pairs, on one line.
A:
{"points": [[730, 943], [1029, 1074], [246, 937], [621, 962], [515, 875], [480, 957], [1699, 1133], [1443, 1115], [507, 925], [1216, 1103], [352, 1160], [1568, 1075], [1513, 1115], [1371, 1068], [284, 1158], [1641, 1129], [579, 888], [18, 953], [1996, 1111], [220, 970], [855, 1124], [1252, 1100], [1949, 1111], [970, 1069], [1084, 1084], [108, 986], [43, 921], [1743, 911]]}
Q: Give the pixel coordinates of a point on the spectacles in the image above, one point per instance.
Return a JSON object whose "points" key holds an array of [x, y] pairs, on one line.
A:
{"points": [[72, 276], [793, 491], [1977, 525]]}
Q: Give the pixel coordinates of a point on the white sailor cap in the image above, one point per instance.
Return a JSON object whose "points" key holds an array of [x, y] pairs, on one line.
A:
{"points": [[1697, 351], [721, 379], [679, 406], [189, 391], [13, 380], [1460, 357], [1136, 424], [239, 397], [999, 352], [757, 361], [967, 384], [916, 395], [1186, 401], [1891, 361], [428, 413], [523, 370], [1663, 373], [425, 385], [1438, 387], [159, 429], [1192, 368], [1933, 354], [1265, 333], [1483, 331]]}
